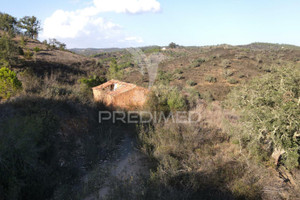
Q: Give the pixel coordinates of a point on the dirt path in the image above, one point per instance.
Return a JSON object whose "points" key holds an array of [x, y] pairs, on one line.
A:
{"points": [[128, 162]]}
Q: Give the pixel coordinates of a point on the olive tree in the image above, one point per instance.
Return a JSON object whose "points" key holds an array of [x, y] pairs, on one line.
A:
{"points": [[8, 23], [270, 115], [31, 25]]}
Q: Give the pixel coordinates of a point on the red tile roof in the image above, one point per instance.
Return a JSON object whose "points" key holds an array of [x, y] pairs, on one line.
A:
{"points": [[122, 87]]}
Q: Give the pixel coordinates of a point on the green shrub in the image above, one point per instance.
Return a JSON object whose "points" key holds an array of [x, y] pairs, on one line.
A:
{"points": [[115, 71], [207, 96], [193, 97], [242, 75], [270, 114], [178, 71], [211, 79], [9, 83], [8, 49], [227, 73], [152, 50], [23, 41], [226, 63], [36, 49], [191, 82], [178, 77], [125, 65], [232, 81], [165, 99], [198, 62], [176, 100], [164, 77], [28, 54], [92, 81], [173, 45]]}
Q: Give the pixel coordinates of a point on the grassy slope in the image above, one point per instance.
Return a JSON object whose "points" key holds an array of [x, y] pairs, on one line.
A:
{"points": [[246, 62], [56, 70]]}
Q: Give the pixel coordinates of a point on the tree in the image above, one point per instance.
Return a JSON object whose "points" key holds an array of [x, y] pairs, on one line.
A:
{"points": [[114, 71], [54, 43], [8, 23], [8, 50], [173, 45], [270, 115], [9, 83], [31, 26]]}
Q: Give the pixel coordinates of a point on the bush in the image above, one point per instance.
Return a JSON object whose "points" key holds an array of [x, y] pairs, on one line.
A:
{"points": [[165, 99], [115, 71], [26, 153], [30, 82], [92, 81], [232, 81], [226, 63], [152, 50], [207, 96], [211, 79], [172, 45], [23, 41], [164, 77], [198, 62], [8, 49], [178, 71], [227, 73], [270, 114], [178, 77], [9, 83], [191, 82], [28, 54], [176, 100], [193, 97], [36, 49]]}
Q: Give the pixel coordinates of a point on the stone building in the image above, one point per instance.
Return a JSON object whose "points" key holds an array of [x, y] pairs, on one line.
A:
{"points": [[117, 94]]}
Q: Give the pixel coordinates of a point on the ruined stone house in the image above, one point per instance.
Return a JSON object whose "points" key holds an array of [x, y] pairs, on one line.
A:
{"points": [[117, 94]]}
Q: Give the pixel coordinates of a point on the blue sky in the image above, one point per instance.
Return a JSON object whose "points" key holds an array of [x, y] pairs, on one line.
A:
{"points": [[124, 23]]}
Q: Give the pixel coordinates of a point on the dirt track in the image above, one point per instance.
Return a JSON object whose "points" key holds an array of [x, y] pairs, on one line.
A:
{"points": [[128, 162]]}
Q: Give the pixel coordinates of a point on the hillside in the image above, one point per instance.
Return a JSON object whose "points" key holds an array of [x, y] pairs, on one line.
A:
{"points": [[52, 145], [228, 65]]}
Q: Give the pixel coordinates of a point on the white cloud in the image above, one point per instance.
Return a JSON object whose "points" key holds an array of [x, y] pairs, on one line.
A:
{"points": [[85, 27], [127, 6], [134, 39]]}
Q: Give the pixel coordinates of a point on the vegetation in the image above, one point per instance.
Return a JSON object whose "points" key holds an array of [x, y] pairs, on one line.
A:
{"points": [[226, 63], [191, 82], [115, 71], [232, 81], [166, 99], [55, 44], [8, 50], [227, 73], [36, 49], [197, 62], [30, 25], [8, 24], [152, 50], [164, 77], [52, 145], [9, 83], [92, 81], [173, 45], [211, 79], [270, 115]]}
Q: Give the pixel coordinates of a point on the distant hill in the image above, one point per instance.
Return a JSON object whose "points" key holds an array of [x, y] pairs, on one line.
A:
{"points": [[93, 51], [270, 46]]}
